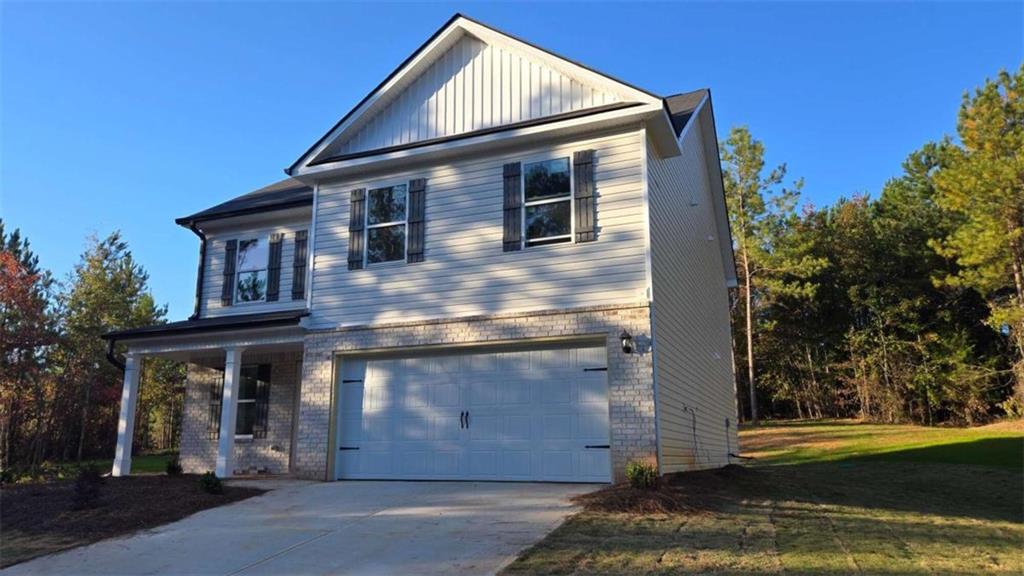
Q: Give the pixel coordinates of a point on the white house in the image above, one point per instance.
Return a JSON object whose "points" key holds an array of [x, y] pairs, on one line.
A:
{"points": [[500, 265]]}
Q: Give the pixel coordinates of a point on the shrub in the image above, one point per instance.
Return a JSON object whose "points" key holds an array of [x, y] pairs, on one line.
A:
{"points": [[174, 467], [87, 486], [211, 484], [641, 474]]}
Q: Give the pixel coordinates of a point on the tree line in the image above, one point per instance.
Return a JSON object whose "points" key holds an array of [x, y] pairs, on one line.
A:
{"points": [[59, 394], [907, 307]]}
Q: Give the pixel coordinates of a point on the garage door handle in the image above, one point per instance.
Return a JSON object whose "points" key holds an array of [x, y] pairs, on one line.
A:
{"points": [[462, 420], [595, 446], [348, 447]]}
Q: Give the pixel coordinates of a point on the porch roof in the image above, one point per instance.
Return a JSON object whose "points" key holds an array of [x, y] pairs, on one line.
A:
{"points": [[215, 324]]}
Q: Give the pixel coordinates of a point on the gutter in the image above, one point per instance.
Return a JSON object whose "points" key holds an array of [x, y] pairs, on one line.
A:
{"points": [[202, 261], [110, 355]]}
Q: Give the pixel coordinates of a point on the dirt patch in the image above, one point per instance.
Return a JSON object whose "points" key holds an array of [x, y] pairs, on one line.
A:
{"points": [[692, 492], [40, 519]]}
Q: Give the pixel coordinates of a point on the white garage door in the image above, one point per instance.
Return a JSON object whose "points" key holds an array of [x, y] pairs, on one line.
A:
{"points": [[517, 415]]}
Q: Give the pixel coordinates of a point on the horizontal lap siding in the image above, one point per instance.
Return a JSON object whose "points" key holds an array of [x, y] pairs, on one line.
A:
{"points": [[473, 86], [465, 271], [213, 275], [693, 367]]}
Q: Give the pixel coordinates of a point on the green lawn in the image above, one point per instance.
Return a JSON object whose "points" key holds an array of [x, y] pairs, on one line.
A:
{"points": [[821, 498], [142, 464]]}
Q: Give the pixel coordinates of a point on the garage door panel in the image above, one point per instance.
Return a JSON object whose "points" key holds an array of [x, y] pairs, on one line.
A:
{"points": [[530, 414], [483, 392], [446, 428], [445, 395], [515, 393], [483, 427]]}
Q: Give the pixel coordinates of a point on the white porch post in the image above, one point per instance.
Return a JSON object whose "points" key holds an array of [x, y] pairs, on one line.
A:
{"points": [[126, 423], [229, 412]]}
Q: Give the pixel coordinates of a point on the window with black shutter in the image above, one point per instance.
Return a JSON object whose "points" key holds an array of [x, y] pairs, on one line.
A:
{"points": [[417, 219], [216, 397], [513, 227], [299, 260], [274, 267], [227, 293], [356, 223], [583, 193], [253, 401]]}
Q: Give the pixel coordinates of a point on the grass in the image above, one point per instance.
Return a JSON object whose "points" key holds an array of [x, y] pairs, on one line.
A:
{"points": [[52, 471], [834, 497]]}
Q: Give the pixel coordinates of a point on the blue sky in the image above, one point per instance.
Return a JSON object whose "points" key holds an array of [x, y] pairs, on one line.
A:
{"points": [[126, 115]]}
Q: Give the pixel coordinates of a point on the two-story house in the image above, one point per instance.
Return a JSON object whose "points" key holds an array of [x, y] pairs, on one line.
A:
{"points": [[500, 265]]}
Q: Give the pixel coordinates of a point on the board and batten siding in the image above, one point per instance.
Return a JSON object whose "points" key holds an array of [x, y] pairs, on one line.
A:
{"points": [[213, 274], [696, 391], [465, 271], [473, 85]]}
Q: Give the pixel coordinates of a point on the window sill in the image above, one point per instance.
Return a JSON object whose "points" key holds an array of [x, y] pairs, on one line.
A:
{"points": [[243, 438]]}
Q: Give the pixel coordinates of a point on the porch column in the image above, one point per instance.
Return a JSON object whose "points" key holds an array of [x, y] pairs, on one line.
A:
{"points": [[126, 423], [229, 412]]}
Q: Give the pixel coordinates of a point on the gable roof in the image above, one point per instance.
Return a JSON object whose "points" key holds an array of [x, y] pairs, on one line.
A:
{"points": [[288, 193], [682, 106], [575, 76]]}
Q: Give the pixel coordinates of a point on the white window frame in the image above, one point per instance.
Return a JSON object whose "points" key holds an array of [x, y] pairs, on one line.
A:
{"points": [[367, 225], [523, 202], [246, 401], [239, 271]]}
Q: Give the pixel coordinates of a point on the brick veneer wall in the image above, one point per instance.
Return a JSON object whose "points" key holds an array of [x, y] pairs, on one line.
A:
{"points": [[630, 376], [270, 454]]}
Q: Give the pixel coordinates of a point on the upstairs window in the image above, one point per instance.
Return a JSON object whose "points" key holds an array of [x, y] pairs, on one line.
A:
{"points": [[251, 278], [385, 223], [547, 202]]}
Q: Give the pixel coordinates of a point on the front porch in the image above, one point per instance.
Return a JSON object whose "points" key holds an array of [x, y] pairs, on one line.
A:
{"points": [[241, 394]]}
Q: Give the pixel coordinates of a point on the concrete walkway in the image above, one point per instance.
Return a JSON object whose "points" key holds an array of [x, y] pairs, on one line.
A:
{"points": [[337, 528]]}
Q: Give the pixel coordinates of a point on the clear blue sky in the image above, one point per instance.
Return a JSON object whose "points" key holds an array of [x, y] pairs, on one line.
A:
{"points": [[126, 115]]}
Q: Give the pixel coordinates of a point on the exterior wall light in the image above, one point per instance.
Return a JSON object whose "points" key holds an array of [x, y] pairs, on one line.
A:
{"points": [[627, 342]]}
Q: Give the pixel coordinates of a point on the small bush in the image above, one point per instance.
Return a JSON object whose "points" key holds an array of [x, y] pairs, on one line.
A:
{"points": [[211, 484], [87, 486], [643, 475], [174, 467]]}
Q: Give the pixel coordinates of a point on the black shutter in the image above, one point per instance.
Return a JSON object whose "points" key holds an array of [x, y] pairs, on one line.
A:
{"points": [[513, 236], [583, 182], [274, 268], [299, 265], [355, 228], [227, 292], [417, 217], [259, 427], [216, 397]]}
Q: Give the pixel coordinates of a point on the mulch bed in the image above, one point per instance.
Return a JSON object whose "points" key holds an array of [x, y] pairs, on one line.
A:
{"points": [[686, 492], [40, 519]]}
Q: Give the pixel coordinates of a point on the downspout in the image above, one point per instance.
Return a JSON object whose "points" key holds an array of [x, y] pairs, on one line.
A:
{"points": [[202, 267]]}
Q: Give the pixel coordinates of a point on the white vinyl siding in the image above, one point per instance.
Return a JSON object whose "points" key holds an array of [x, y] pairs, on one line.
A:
{"points": [[213, 275], [690, 309], [465, 271], [473, 86]]}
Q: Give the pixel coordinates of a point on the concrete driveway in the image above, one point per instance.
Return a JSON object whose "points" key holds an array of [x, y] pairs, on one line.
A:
{"points": [[338, 528]]}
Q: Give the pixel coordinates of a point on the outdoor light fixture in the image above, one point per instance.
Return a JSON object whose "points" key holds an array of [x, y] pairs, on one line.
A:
{"points": [[627, 342]]}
